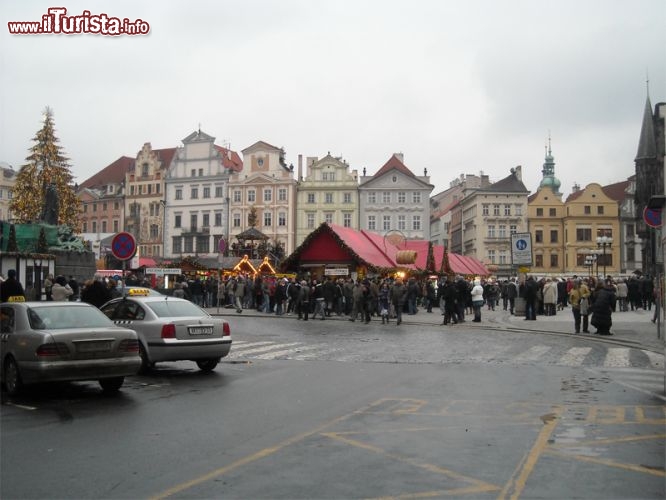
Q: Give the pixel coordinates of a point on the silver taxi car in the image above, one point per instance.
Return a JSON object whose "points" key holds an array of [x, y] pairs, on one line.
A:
{"points": [[63, 341], [171, 329]]}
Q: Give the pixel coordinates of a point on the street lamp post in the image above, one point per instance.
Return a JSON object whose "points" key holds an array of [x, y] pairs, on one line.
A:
{"points": [[603, 242], [589, 262]]}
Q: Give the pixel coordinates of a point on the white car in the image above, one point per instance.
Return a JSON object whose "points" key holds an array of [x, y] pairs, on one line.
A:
{"points": [[172, 329]]}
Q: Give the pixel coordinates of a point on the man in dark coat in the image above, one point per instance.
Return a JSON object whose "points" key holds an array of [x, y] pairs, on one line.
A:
{"points": [[11, 287], [97, 293], [530, 289], [602, 303]]}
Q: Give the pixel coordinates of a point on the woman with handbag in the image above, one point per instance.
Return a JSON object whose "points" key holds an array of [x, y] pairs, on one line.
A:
{"points": [[579, 297]]}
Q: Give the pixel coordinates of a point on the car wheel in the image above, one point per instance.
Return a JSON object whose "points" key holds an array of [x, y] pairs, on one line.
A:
{"points": [[12, 377], [146, 365], [111, 384], [207, 365]]}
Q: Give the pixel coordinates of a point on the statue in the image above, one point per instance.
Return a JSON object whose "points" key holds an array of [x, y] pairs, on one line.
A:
{"points": [[50, 209]]}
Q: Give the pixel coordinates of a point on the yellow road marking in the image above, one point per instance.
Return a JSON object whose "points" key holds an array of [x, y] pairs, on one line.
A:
{"points": [[625, 439], [610, 463], [479, 486], [518, 479]]}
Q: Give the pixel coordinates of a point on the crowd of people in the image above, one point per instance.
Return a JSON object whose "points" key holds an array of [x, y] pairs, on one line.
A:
{"points": [[382, 298]]}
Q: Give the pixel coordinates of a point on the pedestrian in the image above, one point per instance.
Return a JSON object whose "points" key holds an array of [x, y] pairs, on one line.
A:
{"points": [[197, 291], [113, 289], [413, 294], [622, 292], [384, 305], [239, 294], [602, 303], [511, 294], [61, 291], [11, 289], [303, 304], [97, 293], [357, 301], [74, 285], [48, 286], [280, 296], [550, 297], [579, 297], [449, 297], [463, 296], [477, 300], [529, 291], [320, 301], [398, 296], [431, 295], [178, 291]]}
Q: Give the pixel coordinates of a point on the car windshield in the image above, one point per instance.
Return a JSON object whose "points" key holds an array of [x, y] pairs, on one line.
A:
{"points": [[175, 309], [57, 318]]}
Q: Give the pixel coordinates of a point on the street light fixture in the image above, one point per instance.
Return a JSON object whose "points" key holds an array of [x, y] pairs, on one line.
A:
{"points": [[590, 259], [603, 242]]}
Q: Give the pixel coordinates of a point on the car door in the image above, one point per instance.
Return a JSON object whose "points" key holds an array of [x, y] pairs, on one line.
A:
{"points": [[7, 329]]}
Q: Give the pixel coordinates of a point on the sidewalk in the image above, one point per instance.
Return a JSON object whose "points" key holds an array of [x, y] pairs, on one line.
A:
{"points": [[631, 327]]}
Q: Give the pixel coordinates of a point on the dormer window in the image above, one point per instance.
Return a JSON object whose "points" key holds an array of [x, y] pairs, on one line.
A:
{"points": [[144, 170]]}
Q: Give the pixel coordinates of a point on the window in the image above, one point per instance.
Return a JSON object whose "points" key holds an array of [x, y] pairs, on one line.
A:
{"points": [[157, 188], [631, 254], [584, 234], [553, 236], [85, 209], [194, 194], [346, 198], [188, 244], [491, 231], [513, 229], [402, 196], [131, 190], [347, 220], [218, 219], [553, 260], [116, 225], [600, 210], [491, 256], [552, 212], [237, 196], [402, 222], [251, 196], [496, 209], [386, 222], [203, 244], [503, 259], [206, 192], [502, 231], [507, 210], [150, 188], [328, 198], [206, 220], [219, 192], [154, 231], [538, 260], [104, 206], [177, 244], [539, 212], [328, 176], [177, 221], [386, 197], [94, 207], [485, 209], [328, 217], [268, 195], [538, 236], [193, 172], [282, 194], [193, 222], [372, 197], [311, 221], [630, 231], [416, 197], [372, 223], [268, 219], [144, 170], [416, 222], [85, 227], [519, 210], [94, 226], [282, 219], [311, 197], [200, 172], [237, 220], [116, 205], [179, 194], [587, 210], [104, 226]]}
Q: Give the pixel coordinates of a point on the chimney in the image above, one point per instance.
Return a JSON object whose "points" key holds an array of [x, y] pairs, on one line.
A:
{"points": [[518, 172], [575, 188], [308, 163], [400, 157]]}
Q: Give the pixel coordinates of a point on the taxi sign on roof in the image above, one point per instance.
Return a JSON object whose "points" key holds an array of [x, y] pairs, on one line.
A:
{"points": [[138, 292]]}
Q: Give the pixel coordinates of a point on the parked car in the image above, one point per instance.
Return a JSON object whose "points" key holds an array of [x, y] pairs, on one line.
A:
{"points": [[172, 329], [63, 341]]}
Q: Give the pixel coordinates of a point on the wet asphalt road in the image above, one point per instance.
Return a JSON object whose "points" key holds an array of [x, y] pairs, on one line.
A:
{"points": [[343, 410]]}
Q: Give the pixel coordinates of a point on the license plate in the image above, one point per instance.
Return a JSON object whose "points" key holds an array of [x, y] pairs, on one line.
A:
{"points": [[94, 346], [200, 330]]}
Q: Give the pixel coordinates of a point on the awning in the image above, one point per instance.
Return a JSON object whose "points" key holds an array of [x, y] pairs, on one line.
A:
{"points": [[147, 261]]}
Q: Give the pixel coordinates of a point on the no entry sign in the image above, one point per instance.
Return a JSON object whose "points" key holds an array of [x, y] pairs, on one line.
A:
{"points": [[123, 246]]}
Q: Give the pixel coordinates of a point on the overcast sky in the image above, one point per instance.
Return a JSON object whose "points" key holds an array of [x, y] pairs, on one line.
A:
{"points": [[457, 87]]}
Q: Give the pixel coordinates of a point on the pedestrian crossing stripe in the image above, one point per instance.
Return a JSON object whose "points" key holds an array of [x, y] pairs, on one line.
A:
{"points": [[614, 357]]}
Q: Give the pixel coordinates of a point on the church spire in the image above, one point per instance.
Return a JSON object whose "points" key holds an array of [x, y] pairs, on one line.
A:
{"points": [[647, 143], [548, 171]]}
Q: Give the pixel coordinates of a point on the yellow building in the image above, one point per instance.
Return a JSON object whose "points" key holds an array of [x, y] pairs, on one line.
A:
{"points": [[591, 215], [546, 211]]}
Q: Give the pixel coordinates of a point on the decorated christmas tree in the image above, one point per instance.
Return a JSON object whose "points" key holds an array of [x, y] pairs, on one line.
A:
{"points": [[46, 172]]}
